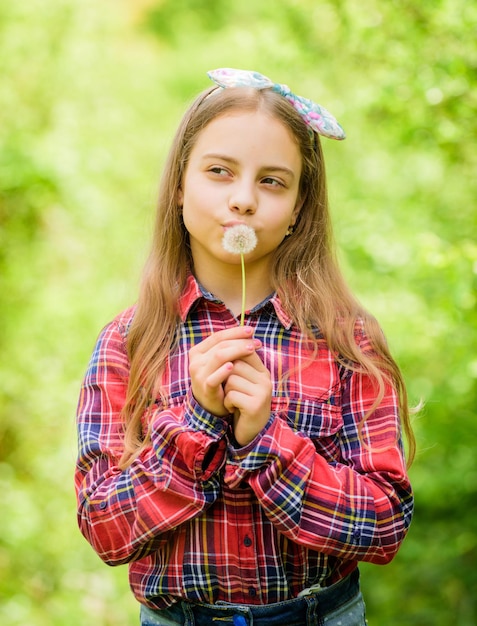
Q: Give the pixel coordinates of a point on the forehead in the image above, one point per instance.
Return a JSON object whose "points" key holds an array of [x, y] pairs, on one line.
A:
{"points": [[249, 132]]}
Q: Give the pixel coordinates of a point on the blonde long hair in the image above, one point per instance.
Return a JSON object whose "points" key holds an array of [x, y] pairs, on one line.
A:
{"points": [[305, 271]]}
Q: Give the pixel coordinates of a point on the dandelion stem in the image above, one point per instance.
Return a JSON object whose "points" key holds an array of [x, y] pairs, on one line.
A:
{"points": [[242, 315], [240, 239]]}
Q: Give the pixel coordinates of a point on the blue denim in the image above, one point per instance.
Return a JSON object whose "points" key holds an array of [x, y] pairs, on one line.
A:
{"points": [[339, 605]]}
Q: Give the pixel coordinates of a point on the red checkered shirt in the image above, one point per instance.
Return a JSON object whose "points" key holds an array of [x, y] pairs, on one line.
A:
{"points": [[197, 518]]}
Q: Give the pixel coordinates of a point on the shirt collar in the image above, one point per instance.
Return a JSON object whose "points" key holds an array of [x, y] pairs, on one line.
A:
{"points": [[193, 292]]}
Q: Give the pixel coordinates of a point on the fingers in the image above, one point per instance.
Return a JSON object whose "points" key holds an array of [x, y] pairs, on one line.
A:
{"points": [[248, 393], [222, 348], [229, 334], [228, 377], [248, 385], [218, 376], [212, 361], [249, 369]]}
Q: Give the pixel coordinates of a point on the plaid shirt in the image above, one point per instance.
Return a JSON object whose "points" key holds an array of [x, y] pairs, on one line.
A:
{"points": [[198, 519]]}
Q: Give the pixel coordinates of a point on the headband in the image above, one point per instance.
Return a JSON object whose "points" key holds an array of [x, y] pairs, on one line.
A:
{"points": [[314, 115]]}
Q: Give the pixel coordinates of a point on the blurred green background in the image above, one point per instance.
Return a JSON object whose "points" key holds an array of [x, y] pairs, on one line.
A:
{"points": [[90, 95]]}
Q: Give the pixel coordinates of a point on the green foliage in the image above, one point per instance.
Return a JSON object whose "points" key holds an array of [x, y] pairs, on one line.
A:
{"points": [[90, 97]]}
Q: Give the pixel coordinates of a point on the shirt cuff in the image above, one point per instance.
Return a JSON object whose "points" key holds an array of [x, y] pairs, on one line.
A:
{"points": [[200, 419], [263, 451], [190, 440]]}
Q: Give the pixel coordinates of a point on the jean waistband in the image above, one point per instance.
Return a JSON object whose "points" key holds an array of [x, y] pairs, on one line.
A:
{"points": [[298, 610]]}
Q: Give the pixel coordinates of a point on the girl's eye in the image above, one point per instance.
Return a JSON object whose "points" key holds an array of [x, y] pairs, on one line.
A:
{"points": [[272, 181], [220, 171]]}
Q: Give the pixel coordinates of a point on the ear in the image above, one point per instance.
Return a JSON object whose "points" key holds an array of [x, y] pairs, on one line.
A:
{"points": [[296, 210], [180, 197]]}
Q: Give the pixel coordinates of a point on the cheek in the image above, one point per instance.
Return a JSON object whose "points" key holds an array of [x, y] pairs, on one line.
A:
{"points": [[188, 220], [271, 238], [188, 209], [281, 218], [195, 221]]}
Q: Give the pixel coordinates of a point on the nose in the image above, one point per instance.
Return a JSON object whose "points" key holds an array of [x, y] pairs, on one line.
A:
{"points": [[243, 198]]}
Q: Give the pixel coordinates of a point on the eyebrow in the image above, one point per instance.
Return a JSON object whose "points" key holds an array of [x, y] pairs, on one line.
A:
{"points": [[229, 159]]}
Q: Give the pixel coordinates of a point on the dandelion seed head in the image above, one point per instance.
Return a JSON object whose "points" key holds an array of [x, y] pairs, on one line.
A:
{"points": [[239, 239]]}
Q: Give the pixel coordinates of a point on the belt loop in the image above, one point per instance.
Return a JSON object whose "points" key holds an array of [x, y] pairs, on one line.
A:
{"points": [[313, 613], [189, 619], [239, 620]]}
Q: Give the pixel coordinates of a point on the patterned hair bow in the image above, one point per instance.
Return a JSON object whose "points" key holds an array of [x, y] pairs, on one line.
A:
{"points": [[314, 115]]}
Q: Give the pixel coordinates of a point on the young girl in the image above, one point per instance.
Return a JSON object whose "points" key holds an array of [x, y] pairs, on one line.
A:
{"points": [[243, 471]]}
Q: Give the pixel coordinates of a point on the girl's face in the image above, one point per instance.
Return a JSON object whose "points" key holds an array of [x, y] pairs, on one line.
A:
{"points": [[244, 168]]}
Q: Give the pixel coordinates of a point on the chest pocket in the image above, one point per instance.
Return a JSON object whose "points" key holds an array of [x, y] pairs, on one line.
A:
{"points": [[320, 421]]}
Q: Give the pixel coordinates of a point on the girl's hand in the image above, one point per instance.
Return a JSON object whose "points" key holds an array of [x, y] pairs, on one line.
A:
{"points": [[212, 361], [248, 393]]}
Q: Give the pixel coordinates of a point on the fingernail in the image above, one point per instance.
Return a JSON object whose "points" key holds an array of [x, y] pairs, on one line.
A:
{"points": [[257, 343]]}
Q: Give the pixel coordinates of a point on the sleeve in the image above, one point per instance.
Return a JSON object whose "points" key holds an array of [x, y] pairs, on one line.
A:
{"points": [[126, 514], [357, 508]]}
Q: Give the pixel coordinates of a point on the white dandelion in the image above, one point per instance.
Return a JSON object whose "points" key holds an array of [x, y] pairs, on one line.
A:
{"points": [[240, 239]]}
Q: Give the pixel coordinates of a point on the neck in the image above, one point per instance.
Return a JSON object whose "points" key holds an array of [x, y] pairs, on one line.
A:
{"points": [[226, 285]]}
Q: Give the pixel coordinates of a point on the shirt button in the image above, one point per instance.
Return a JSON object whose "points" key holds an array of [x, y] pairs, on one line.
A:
{"points": [[103, 505], [252, 591], [247, 541]]}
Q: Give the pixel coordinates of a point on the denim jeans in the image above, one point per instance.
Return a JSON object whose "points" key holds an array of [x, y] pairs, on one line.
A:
{"points": [[339, 605]]}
